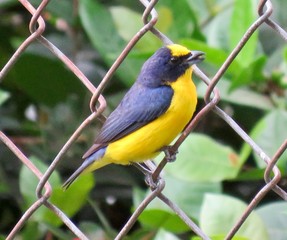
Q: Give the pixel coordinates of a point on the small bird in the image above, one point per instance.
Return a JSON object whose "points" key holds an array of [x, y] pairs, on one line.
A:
{"points": [[150, 116]]}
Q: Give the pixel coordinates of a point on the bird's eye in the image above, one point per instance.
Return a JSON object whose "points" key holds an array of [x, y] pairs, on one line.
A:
{"points": [[174, 60]]}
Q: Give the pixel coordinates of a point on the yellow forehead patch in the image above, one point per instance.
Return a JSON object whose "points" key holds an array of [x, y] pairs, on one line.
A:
{"points": [[178, 50]]}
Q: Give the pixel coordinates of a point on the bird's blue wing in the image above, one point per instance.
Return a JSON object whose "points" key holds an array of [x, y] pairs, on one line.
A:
{"points": [[140, 106]]}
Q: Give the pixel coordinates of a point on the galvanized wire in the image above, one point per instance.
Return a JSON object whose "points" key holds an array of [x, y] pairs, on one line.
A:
{"points": [[98, 104]]}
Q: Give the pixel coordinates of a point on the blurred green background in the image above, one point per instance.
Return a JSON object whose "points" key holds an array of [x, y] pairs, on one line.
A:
{"points": [[216, 174]]}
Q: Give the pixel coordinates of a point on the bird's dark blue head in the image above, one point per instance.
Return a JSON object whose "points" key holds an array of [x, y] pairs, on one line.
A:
{"points": [[167, 64]]}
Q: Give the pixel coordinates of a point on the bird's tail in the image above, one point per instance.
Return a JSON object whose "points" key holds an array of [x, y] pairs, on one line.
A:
{"points": [[92, 162]]}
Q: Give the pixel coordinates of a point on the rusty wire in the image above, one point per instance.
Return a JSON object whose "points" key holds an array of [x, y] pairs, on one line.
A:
{"points": [[98, 104]]}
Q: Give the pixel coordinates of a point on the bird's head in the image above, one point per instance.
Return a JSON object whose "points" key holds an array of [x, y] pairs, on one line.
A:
{"points": [[167, 64]]}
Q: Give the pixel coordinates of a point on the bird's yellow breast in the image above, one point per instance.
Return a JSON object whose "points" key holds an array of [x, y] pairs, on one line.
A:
{"points": [[147, 141]]}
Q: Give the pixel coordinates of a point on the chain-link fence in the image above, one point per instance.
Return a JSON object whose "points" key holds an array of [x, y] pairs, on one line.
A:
{"points": [[98, 104]]}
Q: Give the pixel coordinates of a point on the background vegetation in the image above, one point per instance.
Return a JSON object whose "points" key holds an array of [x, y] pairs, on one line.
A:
{"points": [[215, 175]]}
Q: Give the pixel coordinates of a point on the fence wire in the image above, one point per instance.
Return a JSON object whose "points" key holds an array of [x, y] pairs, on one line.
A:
{"points": [[98, 104]]}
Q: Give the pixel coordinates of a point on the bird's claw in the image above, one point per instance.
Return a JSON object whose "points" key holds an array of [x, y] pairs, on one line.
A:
{"points": [[170, 154], [153, 184], [149, 179]]}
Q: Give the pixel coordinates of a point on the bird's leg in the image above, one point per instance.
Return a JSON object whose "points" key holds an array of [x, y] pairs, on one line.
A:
{"points": [[170, 153], [151, 165], [142, 168], [148, 174]]}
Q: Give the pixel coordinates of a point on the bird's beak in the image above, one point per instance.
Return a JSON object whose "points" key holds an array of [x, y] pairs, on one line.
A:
{"points": [[195, 57]]}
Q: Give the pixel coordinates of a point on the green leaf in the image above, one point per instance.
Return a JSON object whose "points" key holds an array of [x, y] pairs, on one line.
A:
{"points": [[240, 96], [216, 22], [3, 96], [128, 23], [187, 195], [28, 184], [162, 234], [253, 174], [158, 215], [98, 23], [222, 237], [269, 133], [175, 25], [156, 218], [200, 158], [219, 214], [71, 200], [242, 18], [256, 174], [92, 230], [274, 216], [44, 80], [31, 231], [28, 181], [101, 29], [253, 73], [268, 39]]}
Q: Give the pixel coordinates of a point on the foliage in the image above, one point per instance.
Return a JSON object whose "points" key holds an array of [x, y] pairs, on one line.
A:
{"points": [[216, 173]]}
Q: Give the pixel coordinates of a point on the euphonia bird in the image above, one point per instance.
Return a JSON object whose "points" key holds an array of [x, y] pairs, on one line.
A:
{"points": [[152, 113]]}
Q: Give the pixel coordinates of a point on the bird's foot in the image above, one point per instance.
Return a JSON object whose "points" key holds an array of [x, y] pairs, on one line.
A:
{"points": [[142, 168], [170, 153], [152, 183], [149, 178]]}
